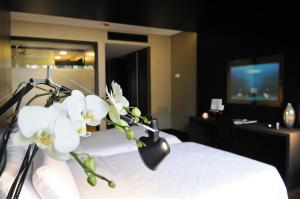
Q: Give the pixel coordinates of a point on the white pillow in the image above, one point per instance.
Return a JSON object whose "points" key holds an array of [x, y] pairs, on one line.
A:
{"points": [[15, 155], [52, 179]]}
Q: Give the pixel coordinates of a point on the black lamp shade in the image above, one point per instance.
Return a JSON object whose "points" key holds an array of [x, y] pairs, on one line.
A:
{"points": [[154, 151]]}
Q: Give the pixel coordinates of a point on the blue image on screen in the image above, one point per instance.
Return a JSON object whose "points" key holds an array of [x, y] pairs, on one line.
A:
{"points": [[255, 82]]}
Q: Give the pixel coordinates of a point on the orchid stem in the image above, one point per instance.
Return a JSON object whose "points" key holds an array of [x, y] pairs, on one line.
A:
{"points": [[86, 169], [140, 117], [114, 123], [137, 141]]}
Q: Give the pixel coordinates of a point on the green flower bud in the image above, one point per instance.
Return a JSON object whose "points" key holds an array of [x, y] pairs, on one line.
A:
{"points": [[119, 128], [136, 119], [146, 121], [122, 123], [136, 112], [111, 184], [129, 134], [90, 163], [92, 180], [139, 144]]}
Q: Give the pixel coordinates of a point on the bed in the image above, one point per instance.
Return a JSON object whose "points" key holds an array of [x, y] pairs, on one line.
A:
{"points": [[190, 171]]}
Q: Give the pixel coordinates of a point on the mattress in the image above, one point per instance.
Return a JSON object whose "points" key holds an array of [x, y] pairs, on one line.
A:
{"points": [[110, 142], [190, 171]]}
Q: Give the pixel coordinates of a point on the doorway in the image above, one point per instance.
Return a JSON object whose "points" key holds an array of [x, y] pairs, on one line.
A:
{"points": [[129, 66]]}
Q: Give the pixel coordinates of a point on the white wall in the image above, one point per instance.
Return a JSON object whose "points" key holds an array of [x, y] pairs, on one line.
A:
{"points": [[160, 59]]}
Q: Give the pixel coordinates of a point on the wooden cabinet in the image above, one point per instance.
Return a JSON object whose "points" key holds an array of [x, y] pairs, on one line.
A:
{"points": [[280, 148]]}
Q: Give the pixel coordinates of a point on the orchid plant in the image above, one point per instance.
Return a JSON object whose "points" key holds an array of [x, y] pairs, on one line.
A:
{"points": [[57, 128]]}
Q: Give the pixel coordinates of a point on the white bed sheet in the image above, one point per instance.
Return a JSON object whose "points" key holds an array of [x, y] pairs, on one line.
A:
{"points": [[110, 142], [190, 171]]}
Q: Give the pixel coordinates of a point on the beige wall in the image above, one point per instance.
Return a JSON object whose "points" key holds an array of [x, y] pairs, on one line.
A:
{"points": [[160, 52], [5, 64], [160, 59], [184, 62]]}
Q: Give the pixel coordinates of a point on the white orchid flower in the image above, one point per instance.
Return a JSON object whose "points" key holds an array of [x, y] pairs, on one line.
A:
{"points": [[85, 110], [118, 94], [118, 102], [49, 128]]}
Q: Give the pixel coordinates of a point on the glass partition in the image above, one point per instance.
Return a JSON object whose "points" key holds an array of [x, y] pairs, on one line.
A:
{"points": [[73, 64]]}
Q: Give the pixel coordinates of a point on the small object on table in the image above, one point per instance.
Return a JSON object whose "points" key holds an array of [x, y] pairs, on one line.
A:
{"points": [[243, 121], [205, 115], [277, 125], [216, 104], [289, 116]]}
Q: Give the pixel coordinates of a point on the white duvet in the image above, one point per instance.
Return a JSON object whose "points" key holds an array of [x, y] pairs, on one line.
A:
{"points": [[110, 142], [189, 171]]}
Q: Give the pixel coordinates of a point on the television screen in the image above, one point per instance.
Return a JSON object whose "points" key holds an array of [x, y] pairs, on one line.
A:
{"points": [[254, 83]]}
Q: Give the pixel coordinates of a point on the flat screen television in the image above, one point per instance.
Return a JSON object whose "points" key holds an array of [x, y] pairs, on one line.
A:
{"points": [[255, 81]]}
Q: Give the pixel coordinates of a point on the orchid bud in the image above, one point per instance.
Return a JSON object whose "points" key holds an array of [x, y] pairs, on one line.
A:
{"points": [[129, 134], [136, 112], [111, 184], [90, 163], [136, 119], [146, 121], [139, 143], [121, 123], [92, 180]]}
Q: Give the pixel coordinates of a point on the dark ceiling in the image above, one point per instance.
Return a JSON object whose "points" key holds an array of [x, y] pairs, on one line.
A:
{"points": [[188, 15], [157, 13]]}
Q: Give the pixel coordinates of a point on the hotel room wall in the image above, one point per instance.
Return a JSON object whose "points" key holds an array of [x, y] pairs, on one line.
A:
{"points": [[5, 61], [184, 63], [160, 60]]}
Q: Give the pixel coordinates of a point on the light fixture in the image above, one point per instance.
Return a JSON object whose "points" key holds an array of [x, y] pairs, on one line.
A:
{"points": [[156, 148], [57, 57], [63, 52], [90, 54]]}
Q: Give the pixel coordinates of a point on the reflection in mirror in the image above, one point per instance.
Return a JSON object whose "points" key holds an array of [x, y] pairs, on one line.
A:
{"points": [[73, 64]]}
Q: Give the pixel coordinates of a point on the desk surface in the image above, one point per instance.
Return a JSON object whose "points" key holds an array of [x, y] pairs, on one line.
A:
{"points": [[260, 127]]}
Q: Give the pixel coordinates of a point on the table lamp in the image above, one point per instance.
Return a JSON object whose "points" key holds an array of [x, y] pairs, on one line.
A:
{"points": [[156, 148]]}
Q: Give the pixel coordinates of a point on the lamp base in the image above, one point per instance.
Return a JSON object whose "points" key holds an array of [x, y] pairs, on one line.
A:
{"points": [[154, 152]]}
